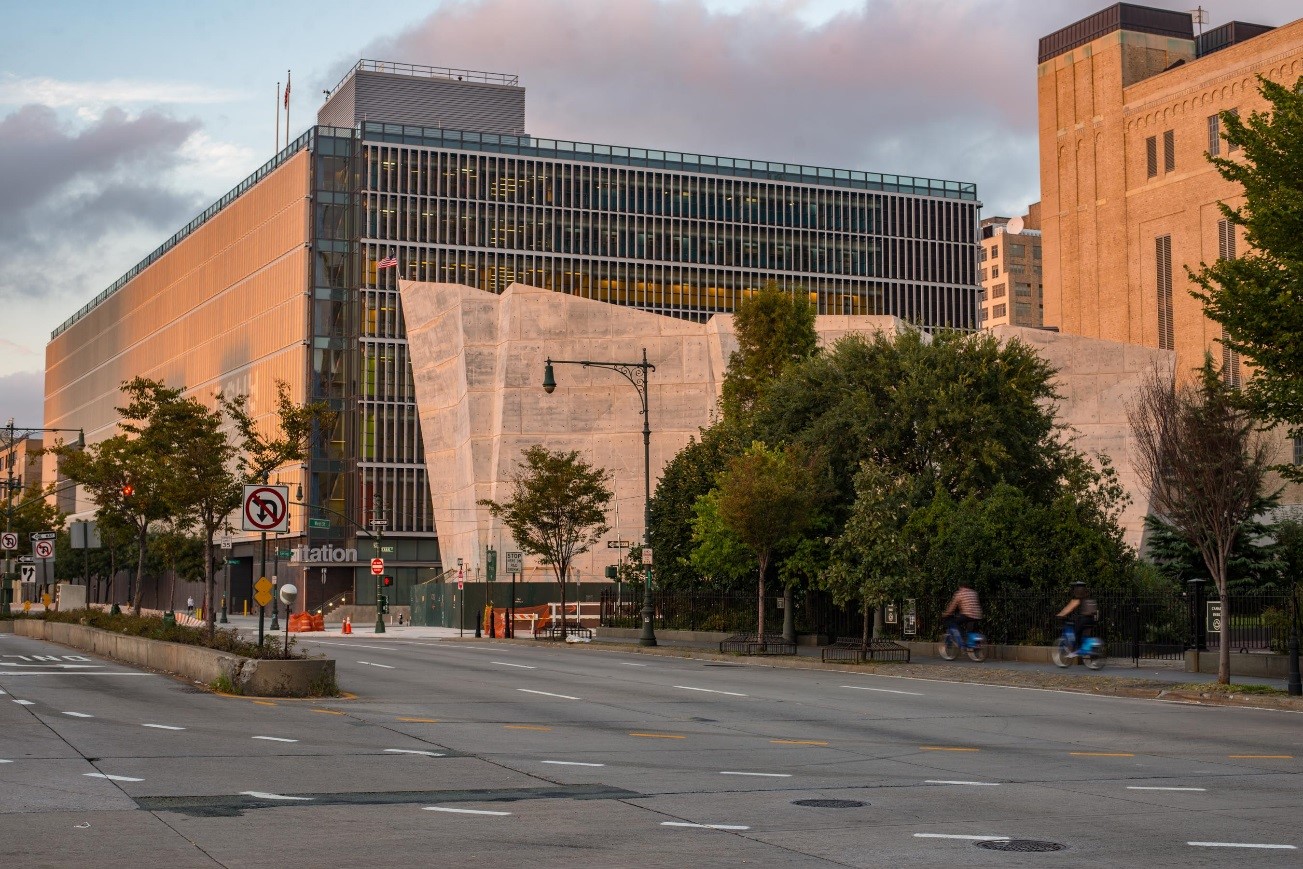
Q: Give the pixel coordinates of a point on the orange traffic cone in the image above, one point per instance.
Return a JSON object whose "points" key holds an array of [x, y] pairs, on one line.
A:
{"points": [[348, 625]]}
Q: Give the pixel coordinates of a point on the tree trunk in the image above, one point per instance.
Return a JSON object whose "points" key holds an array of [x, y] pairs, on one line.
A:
{"points": [[864, 637], [561, 578], [1224, 652], [760, 596], [210, 614], [789, 620], [877, 621], [140, 572]]}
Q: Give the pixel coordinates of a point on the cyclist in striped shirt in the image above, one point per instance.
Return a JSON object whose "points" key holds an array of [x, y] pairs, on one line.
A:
{"points": [[964, 610]]}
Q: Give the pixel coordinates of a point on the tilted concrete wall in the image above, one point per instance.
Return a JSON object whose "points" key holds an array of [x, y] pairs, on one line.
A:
{"points": [[260, 678]]}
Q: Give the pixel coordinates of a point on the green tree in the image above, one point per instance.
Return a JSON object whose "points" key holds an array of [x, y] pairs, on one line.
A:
{"points": [[774, 328], [720, 559], [765, 498], [1258, 298], [1205, 463], [557, 509], [263, 448]]}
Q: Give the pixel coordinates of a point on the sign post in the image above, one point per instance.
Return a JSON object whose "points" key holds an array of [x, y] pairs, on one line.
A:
{"points": [[515, 565], [378, 568], [490, 575], [262, 597]]}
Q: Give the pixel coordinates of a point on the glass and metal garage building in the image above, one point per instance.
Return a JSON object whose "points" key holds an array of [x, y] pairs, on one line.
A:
{"points": [[278, 280]]}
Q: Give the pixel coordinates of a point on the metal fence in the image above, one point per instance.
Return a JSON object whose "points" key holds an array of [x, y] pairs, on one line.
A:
{"points": [[1139, 626]]}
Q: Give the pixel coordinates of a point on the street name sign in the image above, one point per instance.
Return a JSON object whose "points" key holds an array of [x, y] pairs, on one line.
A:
{"points": [[618, 544], [266, 508], [43, 535], [319, 523]]}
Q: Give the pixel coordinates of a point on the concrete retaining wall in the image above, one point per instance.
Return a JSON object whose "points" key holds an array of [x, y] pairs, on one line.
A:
{"points": [[258, 678], [1261, 666]]}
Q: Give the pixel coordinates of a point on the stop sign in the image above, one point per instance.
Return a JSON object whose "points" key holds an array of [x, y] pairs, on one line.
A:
{"points": [[377, 566]]}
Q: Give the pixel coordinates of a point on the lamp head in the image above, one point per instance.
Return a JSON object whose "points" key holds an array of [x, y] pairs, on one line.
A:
{"points": [[549, 380]]}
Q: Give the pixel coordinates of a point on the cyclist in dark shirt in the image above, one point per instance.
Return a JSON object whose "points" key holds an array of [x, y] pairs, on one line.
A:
{"points": [[1081, 613]]}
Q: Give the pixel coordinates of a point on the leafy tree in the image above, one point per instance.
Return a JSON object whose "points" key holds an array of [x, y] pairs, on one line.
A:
{"points": [[557, 509], [1254, 565], [31, 512], [1258, 298], [774, 328], [765, 498], [1205, 463], [723, 561], [297, 427]]}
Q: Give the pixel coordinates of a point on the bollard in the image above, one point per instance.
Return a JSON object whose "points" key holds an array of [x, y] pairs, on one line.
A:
{"points": [[479, 617]]}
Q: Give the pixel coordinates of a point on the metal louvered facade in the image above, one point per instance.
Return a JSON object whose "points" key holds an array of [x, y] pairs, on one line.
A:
{"points": [[428, 96]]}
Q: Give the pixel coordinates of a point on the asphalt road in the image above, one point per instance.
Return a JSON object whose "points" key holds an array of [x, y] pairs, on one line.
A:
{"points": [[500, 754]]}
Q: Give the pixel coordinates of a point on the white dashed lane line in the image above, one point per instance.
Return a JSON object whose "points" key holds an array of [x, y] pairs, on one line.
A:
{"points": [[413, 751], [274, 738], [105, 775], [78, 715], [464, 811], [384, 666], [25, 702], [968, 836], [1242, 845], [882, 690], [548, 694], [704, 826], [505, 664], [260, 795], [571, 763], [984, 784], [709, 691], [761, 774], [1140, 788], [163, 726]]}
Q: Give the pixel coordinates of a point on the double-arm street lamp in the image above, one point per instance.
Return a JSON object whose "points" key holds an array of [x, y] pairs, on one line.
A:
{"points": [[13, 434], [636, 373]]}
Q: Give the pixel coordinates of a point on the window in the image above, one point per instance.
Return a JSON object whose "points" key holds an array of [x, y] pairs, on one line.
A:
{"points": [[982, 279], [1023, 290], [1225, 239], [1151, 157], [1298, 451], [1022, 310], [999, 310], [982, 295], [995, 271], [1169, 151], [981, 254], [981, 313], [1016, 268], [1036, 252], [1017, 250], [1232, 374], [1163, 268], [997, 291], [1231, 146], [995, 251], [1214, 135]]}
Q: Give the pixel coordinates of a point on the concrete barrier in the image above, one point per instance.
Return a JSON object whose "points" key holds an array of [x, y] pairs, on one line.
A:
{"points": [[296, 677], [1260, 666]]}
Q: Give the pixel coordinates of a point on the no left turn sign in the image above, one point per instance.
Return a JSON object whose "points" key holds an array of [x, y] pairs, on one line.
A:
{"points": [[43, 549], [8, 540], [266, 508]]}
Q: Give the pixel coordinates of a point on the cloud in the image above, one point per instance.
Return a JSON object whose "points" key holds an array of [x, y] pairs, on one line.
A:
{"points": [[22, 396], [936, 88], [59, 94], [69, 193]]}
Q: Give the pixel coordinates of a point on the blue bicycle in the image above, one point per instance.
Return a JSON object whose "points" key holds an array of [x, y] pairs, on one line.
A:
{"points": [[956, 641], [1092, 653]]}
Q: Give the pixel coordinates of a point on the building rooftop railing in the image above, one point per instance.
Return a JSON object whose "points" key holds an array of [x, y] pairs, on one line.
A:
{"points": [[588, 152], [419, 70]]}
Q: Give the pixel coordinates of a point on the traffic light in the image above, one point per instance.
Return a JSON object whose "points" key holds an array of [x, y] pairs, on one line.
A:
{"points": [[387, 580], [128, 490]]}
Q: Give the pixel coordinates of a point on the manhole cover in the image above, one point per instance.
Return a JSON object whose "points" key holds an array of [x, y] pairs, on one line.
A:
{"points": [[1025, 846], [830, 804]]}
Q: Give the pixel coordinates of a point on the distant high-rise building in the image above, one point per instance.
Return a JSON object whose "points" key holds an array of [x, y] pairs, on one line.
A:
{"points": [[1129, 106], [1009, 267]]}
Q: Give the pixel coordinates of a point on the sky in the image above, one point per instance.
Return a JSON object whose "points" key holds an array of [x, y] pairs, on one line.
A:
{"points": [[119, 122]]}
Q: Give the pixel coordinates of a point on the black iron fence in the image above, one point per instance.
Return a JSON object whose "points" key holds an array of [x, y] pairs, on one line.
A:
{"points": [[1150, 625]]}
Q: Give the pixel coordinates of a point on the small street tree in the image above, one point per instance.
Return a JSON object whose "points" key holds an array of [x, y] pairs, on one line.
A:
{"points": [[557, 509], [766, 497], [774, 328], [1205, 463], [1258, 298]]}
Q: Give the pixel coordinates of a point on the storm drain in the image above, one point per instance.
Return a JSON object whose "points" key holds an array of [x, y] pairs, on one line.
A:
{"points": [[829, 804], [1024, 846]]}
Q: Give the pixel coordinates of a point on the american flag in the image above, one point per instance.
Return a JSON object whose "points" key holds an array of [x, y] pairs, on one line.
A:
{"points": [[287, 89], [389, 262]]}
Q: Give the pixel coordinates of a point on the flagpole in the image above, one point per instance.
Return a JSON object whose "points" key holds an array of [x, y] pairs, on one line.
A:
{"points": [[277, 149], [287, 108]]}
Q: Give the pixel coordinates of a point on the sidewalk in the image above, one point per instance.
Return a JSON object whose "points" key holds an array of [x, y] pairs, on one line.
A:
{"points": [[248, 627]]}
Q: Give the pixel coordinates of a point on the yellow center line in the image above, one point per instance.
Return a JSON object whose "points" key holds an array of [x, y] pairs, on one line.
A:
{"points": [[945, 748], [797, 742], [1261, 756], [264, 703], [1100, 754], [526, 727], [326, 712], [659, 735], [421, 720]]}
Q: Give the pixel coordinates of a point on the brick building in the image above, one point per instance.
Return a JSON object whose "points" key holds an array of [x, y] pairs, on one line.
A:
{"points": [[1010, 269]]}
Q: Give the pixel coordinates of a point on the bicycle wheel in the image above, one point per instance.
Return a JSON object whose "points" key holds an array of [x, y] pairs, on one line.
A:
{"points": [[977, 651], [1061, 652], [948, 649], [1095, 660]]}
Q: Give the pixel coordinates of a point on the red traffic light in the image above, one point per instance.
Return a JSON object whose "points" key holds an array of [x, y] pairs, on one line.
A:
{"points": [[128, 490], [388, 580]]}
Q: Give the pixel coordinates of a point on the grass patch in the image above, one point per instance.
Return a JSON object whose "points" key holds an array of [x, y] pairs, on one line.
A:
{"points": [[324, 686], [223, 685], [1226, 690], [223, 640]]}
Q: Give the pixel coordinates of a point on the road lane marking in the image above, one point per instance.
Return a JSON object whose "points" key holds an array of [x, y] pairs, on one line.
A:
{"points": [[1146, 788], [704, 826], [761, 774], [2, 760], [163, 726], [325, 711], [418, 720], [526, 727], [385, 666], [883, 690], [464, 811], [961, 836], [984, 784], [70, 673], [78, 715], [105, 775], [631, 664], [945, 748], [571, 763], [797, 742], [1241, 845], [547, 694], [260, 795], [274, 738], [659, 735], [1101, 754], [413, 751], [1261, 756], [264, 703], [2, 693], [709, 690], [506, 664], [25, 702]]}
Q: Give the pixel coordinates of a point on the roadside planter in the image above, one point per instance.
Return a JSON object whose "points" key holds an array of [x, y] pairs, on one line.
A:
{"points": [[275, 677]]}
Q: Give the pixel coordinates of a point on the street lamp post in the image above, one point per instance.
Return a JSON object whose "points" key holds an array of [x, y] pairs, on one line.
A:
{"points": [[11, 440], [1295, 684], [636, 373], [377, 537]]}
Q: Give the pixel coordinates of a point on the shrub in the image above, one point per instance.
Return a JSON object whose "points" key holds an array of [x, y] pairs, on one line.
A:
{"points": [[223, 640]]}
